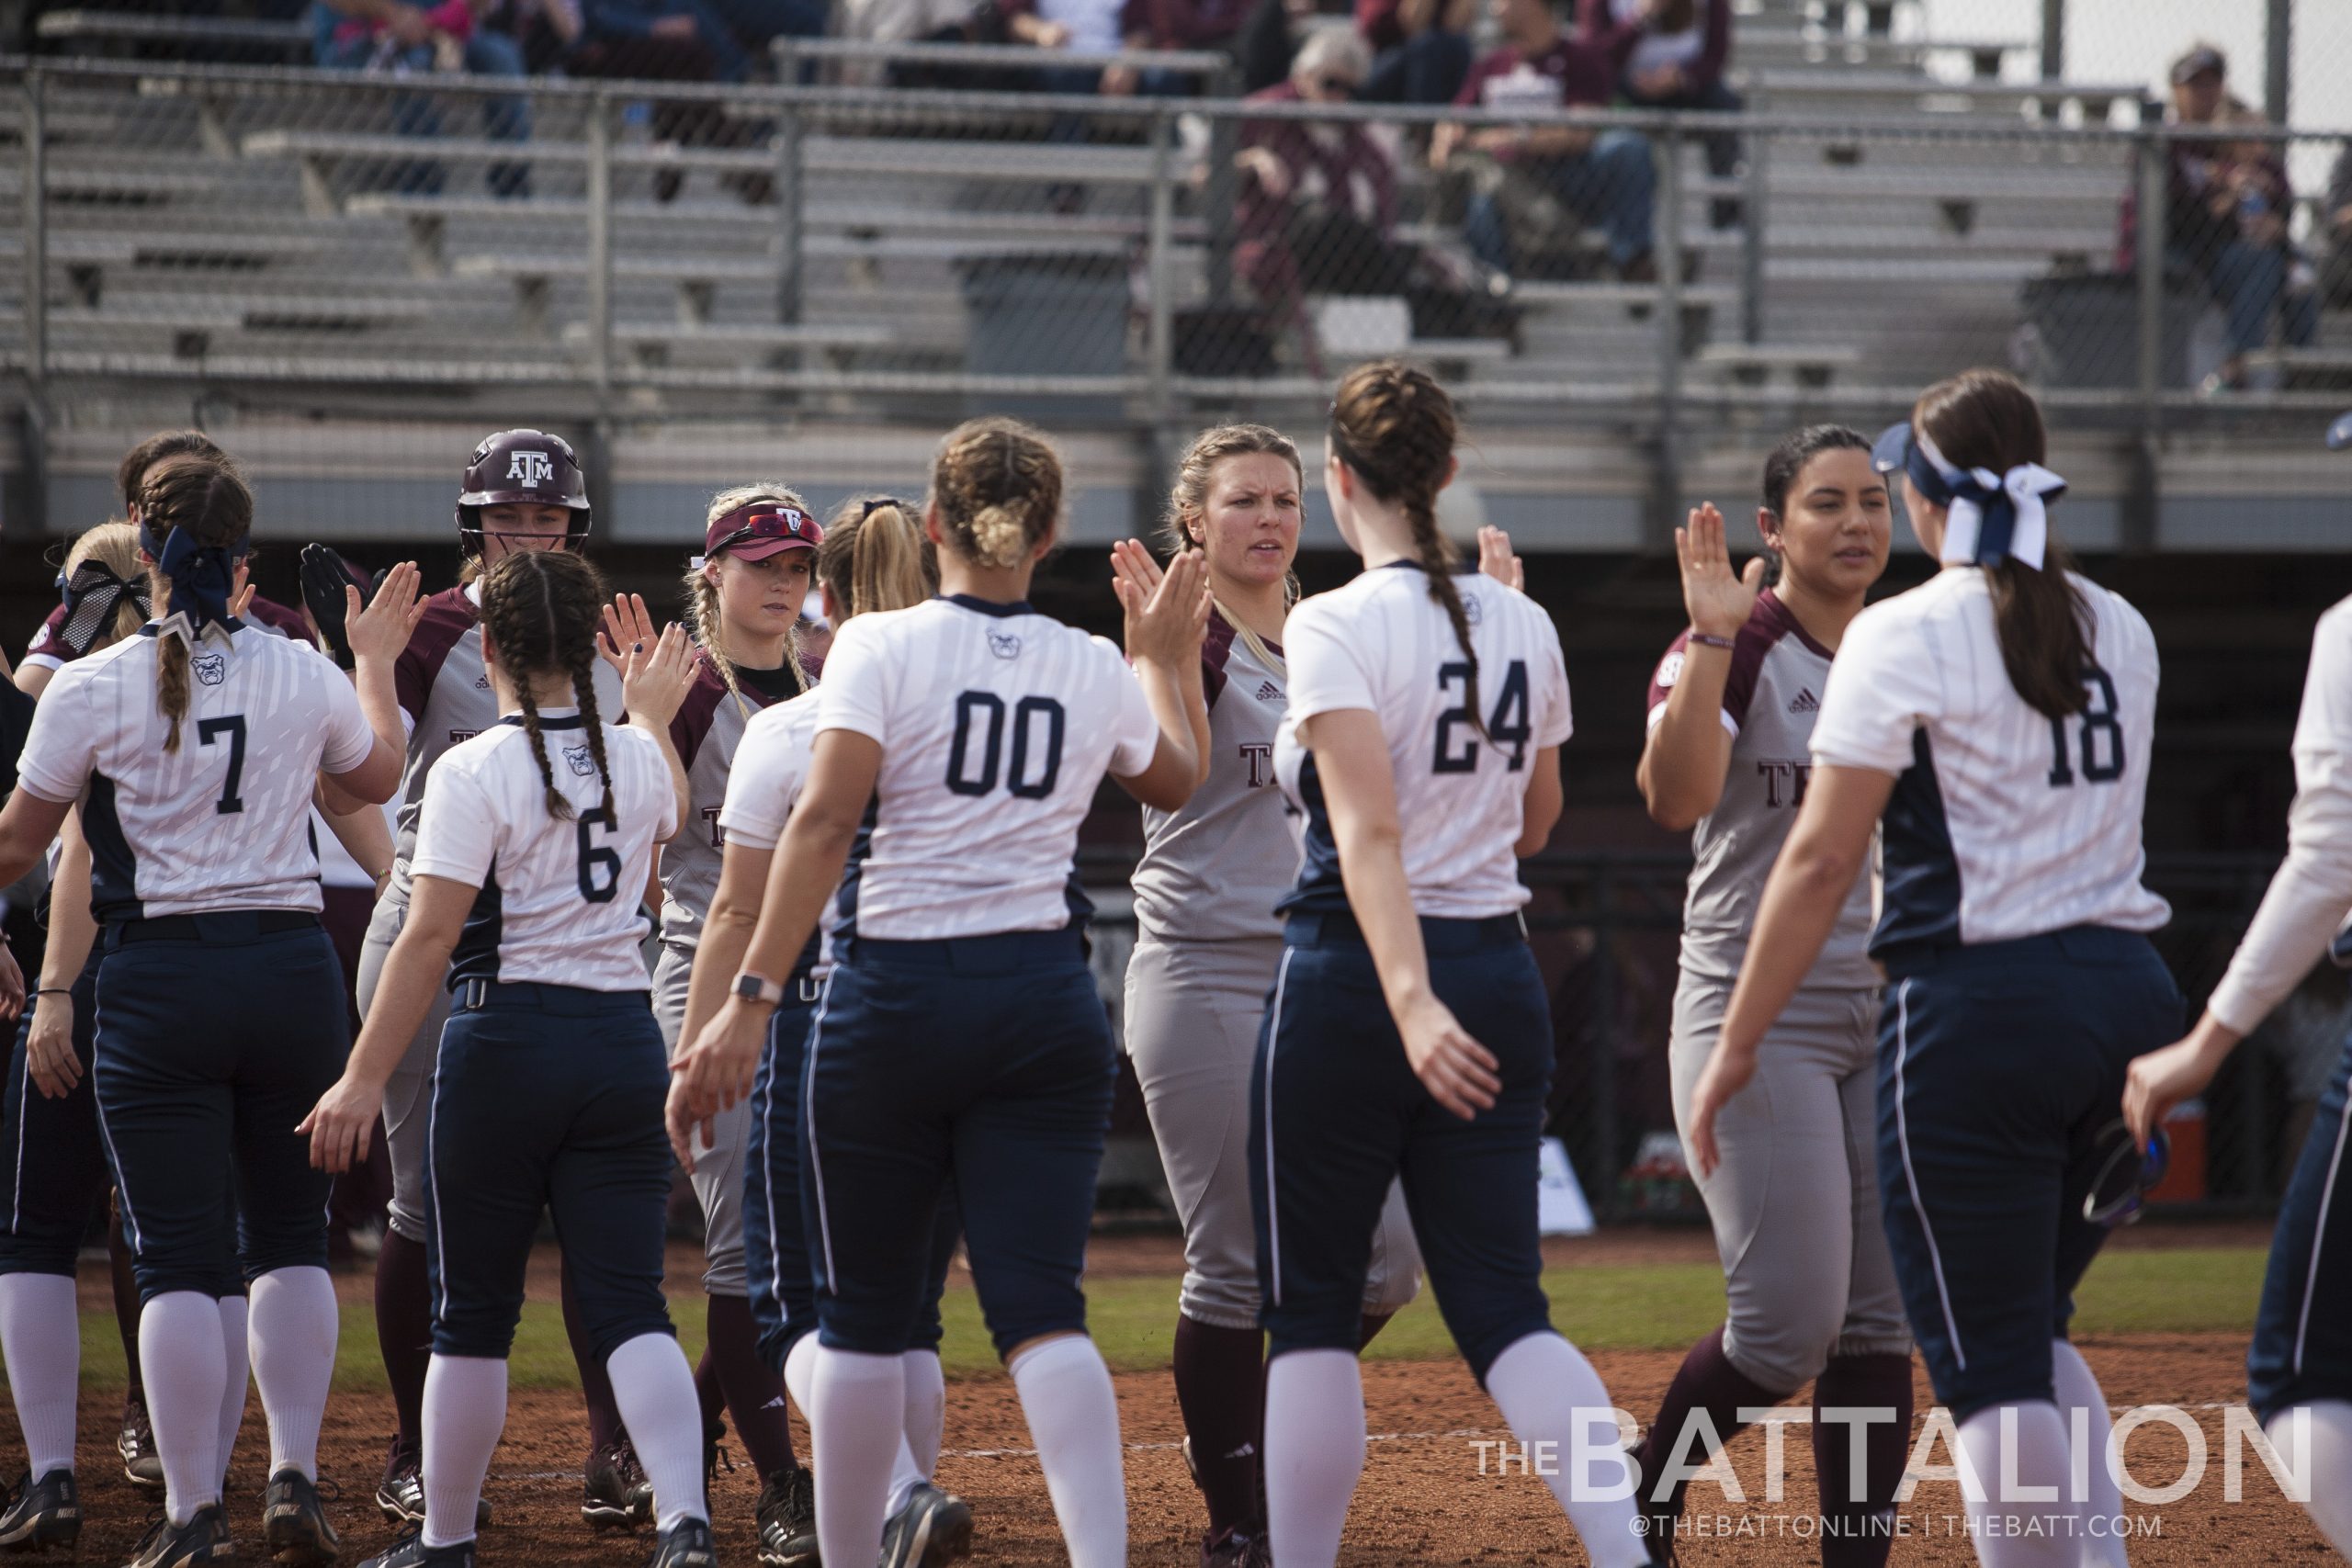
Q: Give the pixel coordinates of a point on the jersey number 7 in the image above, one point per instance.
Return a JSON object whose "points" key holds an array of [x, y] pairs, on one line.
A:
{"points": [[1458, 753], [233, 726]]}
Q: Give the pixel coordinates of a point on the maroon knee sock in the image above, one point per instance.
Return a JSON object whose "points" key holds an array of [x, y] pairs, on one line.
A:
{"points": [[1220, 1387], [754, 1394], [1706, 1381], [595, 1387], [404, 1329], [1856, 1531], [126, 1302]]}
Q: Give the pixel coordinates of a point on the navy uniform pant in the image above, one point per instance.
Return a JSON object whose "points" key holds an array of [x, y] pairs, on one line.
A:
{"points": [[2302, 1334], [985, 1063], [776, 1244], [1337, 1113], [547, 1098], [2000, 1093], [216, 1035], [57, 1163]]}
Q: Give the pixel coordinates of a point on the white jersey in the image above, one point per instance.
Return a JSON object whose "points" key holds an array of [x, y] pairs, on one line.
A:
{"points": [[996, 725], [771, 766], [2004, 823], [1381, 644], [559, 899], [2313, 890], [224, 822]]}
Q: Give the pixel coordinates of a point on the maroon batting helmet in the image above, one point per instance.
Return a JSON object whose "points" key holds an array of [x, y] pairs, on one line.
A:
{"points": [[526, 467]]}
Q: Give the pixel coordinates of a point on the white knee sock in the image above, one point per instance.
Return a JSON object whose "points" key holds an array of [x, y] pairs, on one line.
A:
{"points": [[40, 1334], [182, 1361], [2331, 1466], [465, 1410], [1074, 1420], [926, 1408], [291, 1332], [2098, 1511], [800, 1377], [1314, 1453], [236, 1360], [1549, 1394], [655, 1391], [2036, 1457], [856, 1404]]}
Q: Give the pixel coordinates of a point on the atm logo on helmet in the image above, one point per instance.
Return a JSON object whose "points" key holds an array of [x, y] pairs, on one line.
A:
{"points": [[531, 468]]}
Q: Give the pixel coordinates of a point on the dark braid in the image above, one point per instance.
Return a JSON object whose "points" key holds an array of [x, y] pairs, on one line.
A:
{"points": [[1395, 426], [204, 498], [540, 610]]}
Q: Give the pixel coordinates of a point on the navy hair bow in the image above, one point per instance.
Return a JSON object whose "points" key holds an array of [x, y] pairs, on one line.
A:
{"points": [[91, 593], [202, 577], [1988, 517]]}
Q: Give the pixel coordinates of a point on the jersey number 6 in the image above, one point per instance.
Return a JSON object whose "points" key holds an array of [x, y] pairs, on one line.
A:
{"points": [[594, 859], [967, 776], [1508, 727], [2102, 737]]}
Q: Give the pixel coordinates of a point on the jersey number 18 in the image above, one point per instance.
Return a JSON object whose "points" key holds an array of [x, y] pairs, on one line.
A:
{"points": [[2101, 737]]}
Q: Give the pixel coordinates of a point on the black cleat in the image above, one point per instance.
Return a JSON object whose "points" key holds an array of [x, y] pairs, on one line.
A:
{"points": [[42, 1514], [294, 1524], [715, 1457], [930, 1528], [203, 1539], [1236, 1547], [788, 1516], [410, 1552], [135, 1441], [400, 1497], [616, 1495], [687, 1544]]}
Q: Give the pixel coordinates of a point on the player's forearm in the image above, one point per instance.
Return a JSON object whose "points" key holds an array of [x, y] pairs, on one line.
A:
{"points": [[660, 733], [379, 700], [360, 829], [726, 938], [2306, 904], [1180, 703], [414, 970], [806, 868], [73, 929], [1689, 751], [1371, 869]]}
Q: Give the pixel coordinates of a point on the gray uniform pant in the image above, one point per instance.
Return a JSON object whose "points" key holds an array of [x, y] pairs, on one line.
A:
{"points": [[1794, 1203], [408, 1093], [717, 1175], [1192, 1015]]}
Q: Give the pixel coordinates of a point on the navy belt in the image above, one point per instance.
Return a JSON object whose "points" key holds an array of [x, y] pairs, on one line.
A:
{"points": [[969, 955], [529, 996], [2071, 944], [219, 927], [1311, 928]]}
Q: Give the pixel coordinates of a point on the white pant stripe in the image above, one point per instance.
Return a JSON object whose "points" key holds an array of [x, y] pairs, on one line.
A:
{"points": [[2318, 1234], [1273, 1284], [1910, 1177], [816, 1171]]}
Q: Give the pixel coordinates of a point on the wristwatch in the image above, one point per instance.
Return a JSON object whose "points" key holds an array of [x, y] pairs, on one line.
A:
{"points": [[757, 988]]}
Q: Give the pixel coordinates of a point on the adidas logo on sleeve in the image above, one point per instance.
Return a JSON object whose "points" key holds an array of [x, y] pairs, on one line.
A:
{"points": [[1804, 701]]}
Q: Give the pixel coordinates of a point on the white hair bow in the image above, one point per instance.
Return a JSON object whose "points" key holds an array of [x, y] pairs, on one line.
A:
{"points": [[1996, 517]]}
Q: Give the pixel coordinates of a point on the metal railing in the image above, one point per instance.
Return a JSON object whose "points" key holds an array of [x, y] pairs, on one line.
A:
{"points": [[1044, 219]]}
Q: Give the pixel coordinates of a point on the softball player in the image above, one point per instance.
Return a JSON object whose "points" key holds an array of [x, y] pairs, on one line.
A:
{"points": [[2300, 1369], [522, 490], [1207, 946], [548, 1085], [1421, 745], [1998, 718], [744, 593], [1809, 1281], [871, 558], [959, 1035], [197, 741]]}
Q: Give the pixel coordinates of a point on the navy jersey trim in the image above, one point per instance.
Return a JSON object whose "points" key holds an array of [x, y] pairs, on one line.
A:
{"points": [[113, 869], [861, 848], [988, 606], [550, 721], [1922, 874], [1321, 889], [476, 955]]}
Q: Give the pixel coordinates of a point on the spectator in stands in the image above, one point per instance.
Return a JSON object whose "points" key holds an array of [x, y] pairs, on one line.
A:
{"points": [[1605, 177], [2226, 209], [1183, 24], [1670, 54], [391, 35], [2335, 269], [1317, 197], [927, 21], [1420, 49], [667, 40]]}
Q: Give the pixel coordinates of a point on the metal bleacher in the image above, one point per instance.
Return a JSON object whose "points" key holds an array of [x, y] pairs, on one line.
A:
{"points": [[232, 227]]}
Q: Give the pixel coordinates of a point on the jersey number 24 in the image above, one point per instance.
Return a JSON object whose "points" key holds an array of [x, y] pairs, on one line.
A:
{"points": [[1457, 750]]}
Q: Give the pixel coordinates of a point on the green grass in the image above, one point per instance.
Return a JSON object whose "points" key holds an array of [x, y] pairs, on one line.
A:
{"points": [[1617, 1307]]}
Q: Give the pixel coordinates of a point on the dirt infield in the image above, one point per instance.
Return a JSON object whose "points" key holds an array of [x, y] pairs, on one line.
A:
{"points": [[1423, 1501]]}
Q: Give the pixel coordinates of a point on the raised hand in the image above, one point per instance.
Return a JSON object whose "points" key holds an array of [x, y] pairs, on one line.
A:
{"points": [[1497, 561], [626, 624], [1167, 623], [1718, 602], [656, 677], [382, 628]]}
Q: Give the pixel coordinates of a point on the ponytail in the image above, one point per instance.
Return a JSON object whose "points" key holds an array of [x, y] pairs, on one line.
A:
{"points": [[872, 557]]}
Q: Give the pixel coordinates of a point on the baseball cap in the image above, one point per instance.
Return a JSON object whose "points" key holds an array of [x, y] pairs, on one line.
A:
{"points": [[758, 529], [2198, 61]]}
